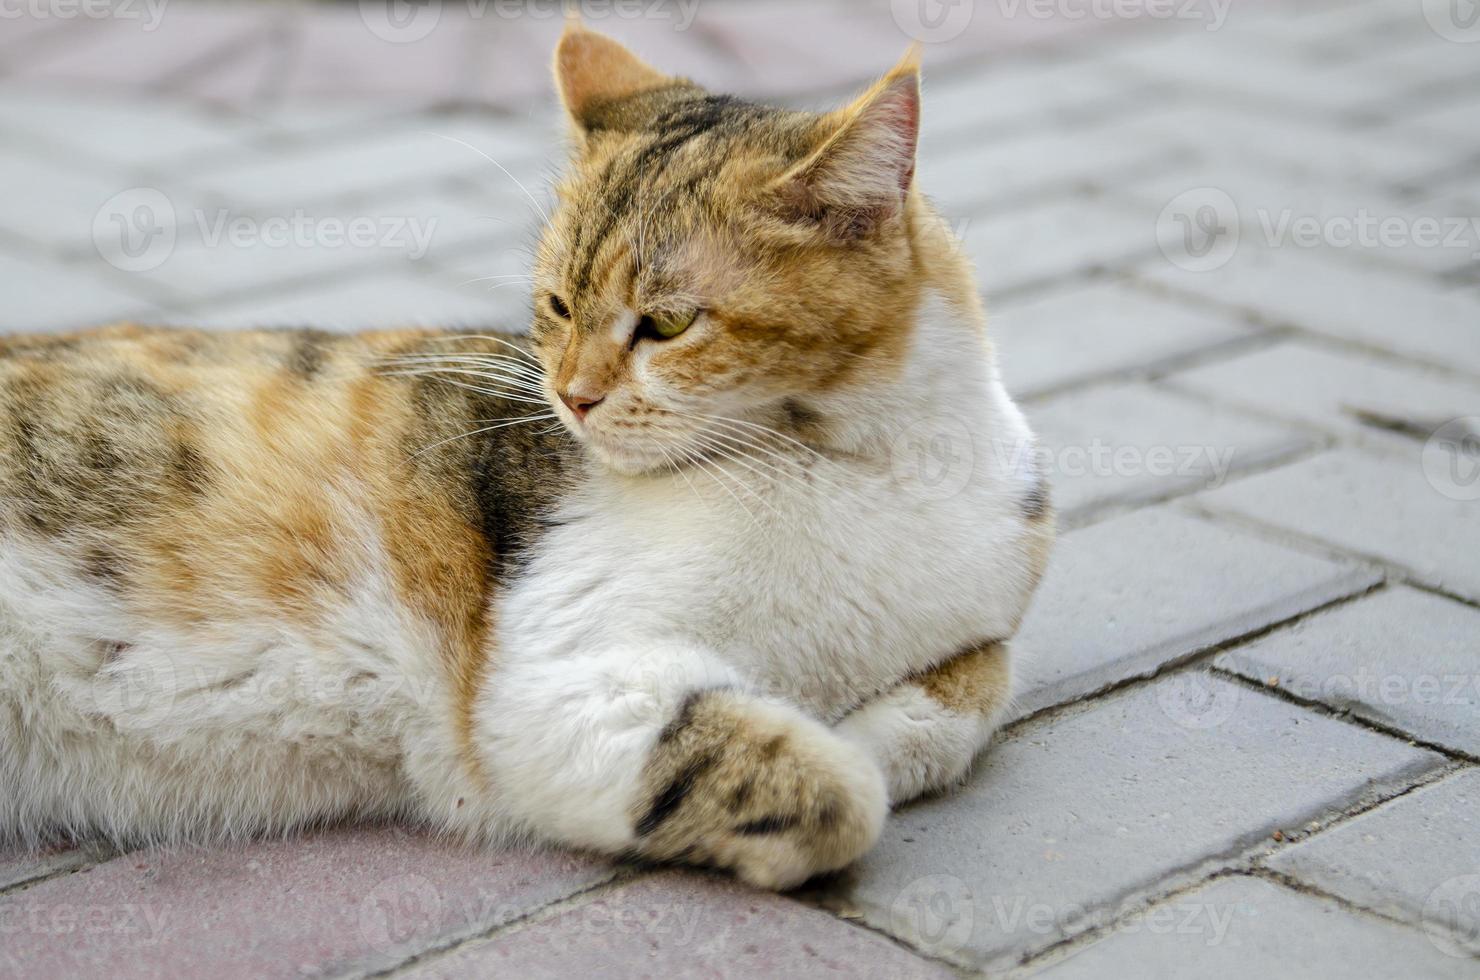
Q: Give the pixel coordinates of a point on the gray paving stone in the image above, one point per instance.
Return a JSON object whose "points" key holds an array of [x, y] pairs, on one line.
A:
{"points": [[1382, 506], [1123, 443], [971, 175], [53, 204], [1007, 97], [418, 152], [1311, 213], [219, 252], [120, 131], [1343, 299], [1416, 859], [41, 295], [380, 300], [1048, 343], [1402, 658], [673, 925], [1247, 927], [1129, 595], [1345, 392], [1017, 249], [19, 866], [1071, 816]]}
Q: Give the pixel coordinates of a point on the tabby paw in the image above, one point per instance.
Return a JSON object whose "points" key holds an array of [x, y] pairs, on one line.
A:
{"points": [[760, 789]]}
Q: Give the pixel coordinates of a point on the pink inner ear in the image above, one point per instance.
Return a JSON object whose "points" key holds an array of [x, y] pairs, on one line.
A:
{"points": [[901, 113]]}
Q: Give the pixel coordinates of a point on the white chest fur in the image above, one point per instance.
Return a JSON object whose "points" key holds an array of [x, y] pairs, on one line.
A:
{"points": [[824, 582]]}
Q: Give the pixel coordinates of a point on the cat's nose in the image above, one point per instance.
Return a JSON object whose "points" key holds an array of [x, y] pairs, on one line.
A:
{"points": [[580, 404]]}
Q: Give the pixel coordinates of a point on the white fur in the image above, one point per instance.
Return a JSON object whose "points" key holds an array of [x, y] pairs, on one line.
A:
{"points": [[819, 594]]}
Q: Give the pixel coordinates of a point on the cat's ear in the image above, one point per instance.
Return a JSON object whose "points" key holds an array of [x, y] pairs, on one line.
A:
{"points": [[862, 171], [592, 71]]}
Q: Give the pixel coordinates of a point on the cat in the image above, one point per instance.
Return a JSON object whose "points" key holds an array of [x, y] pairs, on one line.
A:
{"points": [[714, 565]]}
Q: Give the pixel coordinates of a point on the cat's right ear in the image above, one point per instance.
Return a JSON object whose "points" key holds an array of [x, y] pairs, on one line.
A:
{"points": [[594, 74]]}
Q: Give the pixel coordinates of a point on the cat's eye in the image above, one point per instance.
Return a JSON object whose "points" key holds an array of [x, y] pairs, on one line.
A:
{"points": [[664, 326], [558, 307]]}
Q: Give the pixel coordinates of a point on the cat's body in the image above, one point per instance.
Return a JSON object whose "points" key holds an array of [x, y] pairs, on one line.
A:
{"points": [[252, 582]]}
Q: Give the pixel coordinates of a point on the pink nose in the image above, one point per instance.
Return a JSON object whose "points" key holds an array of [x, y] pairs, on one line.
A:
{"points": [[580, 404]]}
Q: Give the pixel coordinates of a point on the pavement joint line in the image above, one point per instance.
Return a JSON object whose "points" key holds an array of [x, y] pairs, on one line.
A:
{"points": [[97, 853], [1289, 536], [1356, 721], [1295, 329], [621, 877], [1303, 887], [1190, 660]]}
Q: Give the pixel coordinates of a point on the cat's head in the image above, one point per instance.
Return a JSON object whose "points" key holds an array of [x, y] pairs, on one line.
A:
{"points": [[712, 260]]}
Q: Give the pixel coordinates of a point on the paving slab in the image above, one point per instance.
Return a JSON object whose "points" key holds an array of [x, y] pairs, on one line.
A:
{"points": [[1054, 241], [47, 296], [1343, 299], [1402, 658], [399, 154], [1244, 927], [983, 105], [322, 904], [1398, 508], [1061, 340], [19, 866], [674, 925], [1070, 817], [218, 251], [379, 300], [124, 132], [1130, 595], [1309, 213], [1353, 394], [1127, 443], [1415, 859]]}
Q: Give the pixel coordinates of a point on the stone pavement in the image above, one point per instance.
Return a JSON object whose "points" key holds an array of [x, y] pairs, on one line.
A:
{"points": [[1231, 256]]}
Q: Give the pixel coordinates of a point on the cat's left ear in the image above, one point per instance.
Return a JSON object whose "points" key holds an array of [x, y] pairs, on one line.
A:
{"points": [[594, 74], [862, 172]]}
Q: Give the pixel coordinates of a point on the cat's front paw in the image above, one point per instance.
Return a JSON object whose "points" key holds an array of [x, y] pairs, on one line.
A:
{"points": [[760, 789]]}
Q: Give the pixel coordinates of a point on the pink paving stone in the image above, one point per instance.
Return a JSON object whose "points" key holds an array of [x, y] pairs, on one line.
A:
{"points": [[324, 903], [18, 866], [677, 925]]}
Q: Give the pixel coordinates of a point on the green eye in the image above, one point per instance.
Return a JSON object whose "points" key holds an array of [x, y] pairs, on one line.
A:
{"points": [[664, 326]]}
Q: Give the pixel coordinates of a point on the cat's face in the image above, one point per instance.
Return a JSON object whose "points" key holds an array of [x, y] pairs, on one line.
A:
{"points": [[713, 263]]}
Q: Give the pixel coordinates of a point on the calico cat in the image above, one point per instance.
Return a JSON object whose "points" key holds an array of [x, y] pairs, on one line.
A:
{"points": [[663, 578]]}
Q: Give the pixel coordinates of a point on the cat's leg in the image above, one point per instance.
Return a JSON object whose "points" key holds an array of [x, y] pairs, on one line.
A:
{"points": [[662, 754], [925, 732]]}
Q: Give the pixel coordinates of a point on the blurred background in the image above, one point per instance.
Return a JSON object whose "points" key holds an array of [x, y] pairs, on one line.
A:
{"points": [[1231, 255]]}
